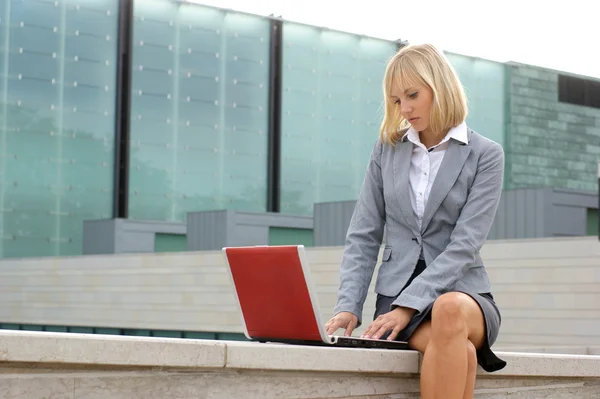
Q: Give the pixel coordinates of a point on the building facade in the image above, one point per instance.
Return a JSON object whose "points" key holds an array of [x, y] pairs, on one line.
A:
{"points": [[164, 108]]}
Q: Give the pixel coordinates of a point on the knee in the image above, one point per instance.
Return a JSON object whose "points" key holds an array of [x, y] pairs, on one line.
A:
{"points": [[448, 317]]}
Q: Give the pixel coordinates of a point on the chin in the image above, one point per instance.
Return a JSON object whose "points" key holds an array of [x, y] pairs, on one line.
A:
{"points": [[418, 127]]}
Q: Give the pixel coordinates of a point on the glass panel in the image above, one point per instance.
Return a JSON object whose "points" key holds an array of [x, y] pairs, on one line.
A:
{"points": [[484, 83], [331, 111], [57, 122], [198, 335], [170, 242], [167, 334], [141, 333], [56, 328], [10, 326], [107, 331], [32, 327], [231, 337], [199, 110], [81, 330], [290, 236]]}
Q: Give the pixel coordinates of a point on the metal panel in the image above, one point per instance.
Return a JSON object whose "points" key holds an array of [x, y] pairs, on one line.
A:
{"points": [[568, 221], [585, 199], [274, 220], [115, 236], [522, 213], [99, 236], [207, 230], [213, 230], [249, 235], [331, 222]]}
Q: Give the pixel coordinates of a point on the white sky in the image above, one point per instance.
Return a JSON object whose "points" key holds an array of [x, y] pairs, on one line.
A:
{"points": [[563, 36]]}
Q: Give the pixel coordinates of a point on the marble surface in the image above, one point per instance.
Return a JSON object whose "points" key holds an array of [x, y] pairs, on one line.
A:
{"points": [[94, 349], [36, 365], [302, 358]]}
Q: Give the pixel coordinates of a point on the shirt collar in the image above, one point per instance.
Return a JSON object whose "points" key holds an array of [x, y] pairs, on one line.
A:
{"points": [[458, 133]]}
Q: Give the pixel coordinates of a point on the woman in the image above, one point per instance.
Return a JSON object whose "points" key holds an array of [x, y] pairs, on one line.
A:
{"points": [[434, 185]]}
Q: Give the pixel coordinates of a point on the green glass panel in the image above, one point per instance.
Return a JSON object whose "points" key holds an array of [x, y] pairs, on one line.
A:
{"points": [[140, 333], [167, 334], [231, 337], [81, 330], [289, 236], [56, 328], [199, 335], [32, 327], [58, 85], [107, 331], [484, 83], [199, 110], [331, 112], [592, 222], [170, 242], [10, 326]]}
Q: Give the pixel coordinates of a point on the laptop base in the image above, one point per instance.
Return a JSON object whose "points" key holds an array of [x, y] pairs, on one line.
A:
{"points": [[342, 342]]}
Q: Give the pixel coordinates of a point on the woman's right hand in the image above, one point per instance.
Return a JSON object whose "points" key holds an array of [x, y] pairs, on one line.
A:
{"points": [[345, 320]]}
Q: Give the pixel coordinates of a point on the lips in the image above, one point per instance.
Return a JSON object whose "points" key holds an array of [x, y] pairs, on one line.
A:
{"points": [[413, 120]]}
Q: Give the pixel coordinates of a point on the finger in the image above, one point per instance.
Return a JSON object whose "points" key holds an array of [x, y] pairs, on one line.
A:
{"points": [[333, 327], [350, 327], [374, 326], [394, 333], [330, 327], [383, 329]]}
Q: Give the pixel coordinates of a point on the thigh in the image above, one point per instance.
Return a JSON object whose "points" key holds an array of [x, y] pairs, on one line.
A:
{"points": [[420, 338]]}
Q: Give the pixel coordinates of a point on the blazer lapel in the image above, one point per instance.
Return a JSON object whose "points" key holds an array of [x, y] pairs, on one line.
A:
{"points": [[452, 164], [402, 157]]}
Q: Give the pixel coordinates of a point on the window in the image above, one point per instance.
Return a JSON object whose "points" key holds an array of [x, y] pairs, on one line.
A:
{"points": [[57, 126], [199, 109], [579, 91]]}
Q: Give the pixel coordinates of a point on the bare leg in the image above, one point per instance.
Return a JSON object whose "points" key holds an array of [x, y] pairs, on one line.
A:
{"points": [[448, 343], [471, 371]]}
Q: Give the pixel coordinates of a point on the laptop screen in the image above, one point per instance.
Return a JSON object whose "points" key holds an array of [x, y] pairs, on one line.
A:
{"points": [[272, 293]]}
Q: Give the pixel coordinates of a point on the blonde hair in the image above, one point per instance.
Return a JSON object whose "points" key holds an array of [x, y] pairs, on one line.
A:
{"points": [[415, 65]]}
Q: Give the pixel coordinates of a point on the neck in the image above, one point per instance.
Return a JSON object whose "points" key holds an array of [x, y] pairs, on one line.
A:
{"points": [[430, 139]]}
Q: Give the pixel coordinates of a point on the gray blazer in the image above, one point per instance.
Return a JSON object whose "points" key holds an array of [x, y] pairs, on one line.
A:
{"points": [[458, 217]]}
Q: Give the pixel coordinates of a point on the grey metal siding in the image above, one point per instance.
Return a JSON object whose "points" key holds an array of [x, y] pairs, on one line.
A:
{"points": [[331, 222]]}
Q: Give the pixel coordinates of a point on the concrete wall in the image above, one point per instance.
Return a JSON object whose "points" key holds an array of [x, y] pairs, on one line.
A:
{"points": [[548, 290], [548, 143]]}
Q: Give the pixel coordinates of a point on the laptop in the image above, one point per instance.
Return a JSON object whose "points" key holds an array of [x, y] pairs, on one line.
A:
{"points": [[277, 298]]}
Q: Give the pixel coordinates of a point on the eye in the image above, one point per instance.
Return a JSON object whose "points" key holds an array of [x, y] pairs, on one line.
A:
{"points": [[414, 95], [397, 102]]}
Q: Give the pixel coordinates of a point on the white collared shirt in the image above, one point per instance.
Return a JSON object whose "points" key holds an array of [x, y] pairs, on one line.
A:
{"points": [[424, 166]]}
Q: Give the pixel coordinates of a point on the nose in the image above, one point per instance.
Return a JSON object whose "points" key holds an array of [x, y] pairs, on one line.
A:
{"points": [[405, 109]]}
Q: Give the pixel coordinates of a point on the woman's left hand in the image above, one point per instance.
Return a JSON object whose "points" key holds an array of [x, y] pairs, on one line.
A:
{"points": [[395, 320]]}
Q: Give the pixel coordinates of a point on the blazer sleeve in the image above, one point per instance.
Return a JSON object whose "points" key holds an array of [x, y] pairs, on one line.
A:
{"points": [[363, 240], [469, 235]]}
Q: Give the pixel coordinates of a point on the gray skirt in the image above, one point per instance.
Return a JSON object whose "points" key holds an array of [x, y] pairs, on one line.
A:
{"points": [[486, 358]]}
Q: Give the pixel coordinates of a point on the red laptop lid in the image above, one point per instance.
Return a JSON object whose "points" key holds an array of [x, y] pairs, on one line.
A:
{"points": [[273, 293]]}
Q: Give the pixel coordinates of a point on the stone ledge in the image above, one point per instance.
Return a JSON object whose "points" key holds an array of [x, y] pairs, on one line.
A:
{"points": [[108, 350], [39, 365], [43, 348], [310, 358]]}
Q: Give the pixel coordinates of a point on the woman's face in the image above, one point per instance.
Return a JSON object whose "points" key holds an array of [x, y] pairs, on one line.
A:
{"points": [[415, 103]]}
